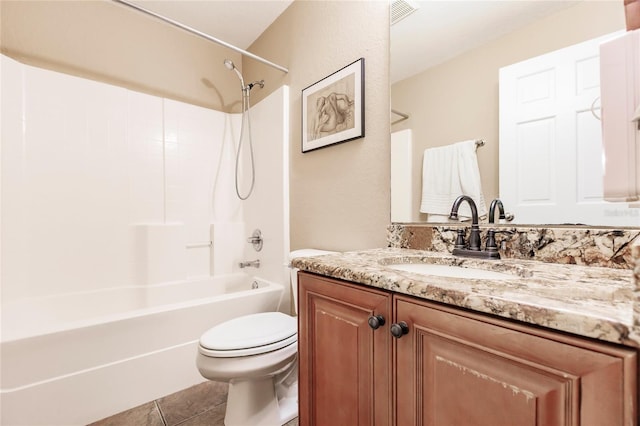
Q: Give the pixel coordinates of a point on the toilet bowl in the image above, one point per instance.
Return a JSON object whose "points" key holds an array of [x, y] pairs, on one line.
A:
{"points": [[257, 355]]}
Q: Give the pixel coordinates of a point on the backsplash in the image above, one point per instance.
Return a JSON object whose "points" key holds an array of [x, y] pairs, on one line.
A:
{"points": [[611, 248]]}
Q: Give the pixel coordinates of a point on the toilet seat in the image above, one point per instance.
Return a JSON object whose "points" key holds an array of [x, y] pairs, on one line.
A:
{"points": [[250, 335]]}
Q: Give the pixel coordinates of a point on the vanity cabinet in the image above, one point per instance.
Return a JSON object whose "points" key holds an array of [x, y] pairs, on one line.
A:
{"points": [[452, 367], [344, 364], [455, 367]]}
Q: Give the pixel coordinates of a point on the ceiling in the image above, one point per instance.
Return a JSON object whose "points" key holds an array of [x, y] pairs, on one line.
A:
{"points": [[437, 31], [238, 22]]}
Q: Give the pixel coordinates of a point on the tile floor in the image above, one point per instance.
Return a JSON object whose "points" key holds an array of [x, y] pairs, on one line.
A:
{"points": [[199, 405]]}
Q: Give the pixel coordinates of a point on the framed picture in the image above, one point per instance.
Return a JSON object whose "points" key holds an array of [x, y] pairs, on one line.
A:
{"points": [[333, 108]]}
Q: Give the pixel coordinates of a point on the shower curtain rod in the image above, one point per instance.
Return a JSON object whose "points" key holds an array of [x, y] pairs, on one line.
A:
{"points": [[201, 34]]}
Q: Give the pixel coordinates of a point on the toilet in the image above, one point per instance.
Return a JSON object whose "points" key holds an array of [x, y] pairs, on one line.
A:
{"points": [[257, 355]]}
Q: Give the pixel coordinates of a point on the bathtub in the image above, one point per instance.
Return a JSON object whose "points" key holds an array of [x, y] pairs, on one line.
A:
{"points": [[77, 358]]}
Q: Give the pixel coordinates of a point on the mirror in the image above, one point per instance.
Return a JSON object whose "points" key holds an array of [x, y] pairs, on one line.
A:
{"points": [[446, 79]]}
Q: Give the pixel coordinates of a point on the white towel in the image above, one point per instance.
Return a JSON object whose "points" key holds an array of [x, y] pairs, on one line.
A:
{"points": [[448, 172]]}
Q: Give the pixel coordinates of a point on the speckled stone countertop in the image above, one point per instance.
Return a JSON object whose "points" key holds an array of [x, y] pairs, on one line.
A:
{"points": [[593, 302]]}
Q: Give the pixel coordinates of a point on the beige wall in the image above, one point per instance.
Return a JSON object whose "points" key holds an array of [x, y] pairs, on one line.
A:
{"points": [[105, 41], [458, 100], [340, 194]]}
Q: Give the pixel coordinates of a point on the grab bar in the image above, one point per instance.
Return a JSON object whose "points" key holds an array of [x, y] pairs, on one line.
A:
{"points": [[199, 245]]}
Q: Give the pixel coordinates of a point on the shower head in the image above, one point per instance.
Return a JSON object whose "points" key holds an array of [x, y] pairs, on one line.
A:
{"points": [[245, 89], [231, 66]]}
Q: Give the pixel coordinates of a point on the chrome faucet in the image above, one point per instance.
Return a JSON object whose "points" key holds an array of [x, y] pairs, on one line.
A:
{"points": [[492, 210], [248, 263], [474, 238]]}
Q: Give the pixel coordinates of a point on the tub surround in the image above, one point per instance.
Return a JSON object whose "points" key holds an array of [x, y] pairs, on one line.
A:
{"points": [[139, 188], [605, 247], [600, 303]]}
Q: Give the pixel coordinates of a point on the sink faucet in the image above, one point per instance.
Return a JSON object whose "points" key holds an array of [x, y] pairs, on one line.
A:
{"points": [[503, 216], [253, 263], [474, 238], [492, 210], [473, 249]]}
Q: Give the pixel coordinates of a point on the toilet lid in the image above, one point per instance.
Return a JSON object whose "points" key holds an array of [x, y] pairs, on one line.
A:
{"points": [[251, 334]]}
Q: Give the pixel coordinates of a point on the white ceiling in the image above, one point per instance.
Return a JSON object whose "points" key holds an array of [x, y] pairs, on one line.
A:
{"points": [[441, 30], [437, 31], [238, 22]]}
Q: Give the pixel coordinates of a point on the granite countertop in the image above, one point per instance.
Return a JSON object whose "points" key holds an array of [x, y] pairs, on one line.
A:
{"points": [[588, 301]]}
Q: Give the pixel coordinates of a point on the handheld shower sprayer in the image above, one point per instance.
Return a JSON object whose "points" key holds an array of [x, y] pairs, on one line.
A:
{"points": [[245, 89], [231, 66], [245, 119]]}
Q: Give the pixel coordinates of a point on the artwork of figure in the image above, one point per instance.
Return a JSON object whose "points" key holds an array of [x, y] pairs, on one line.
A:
{"points": [[334, 113], [331, 110]]}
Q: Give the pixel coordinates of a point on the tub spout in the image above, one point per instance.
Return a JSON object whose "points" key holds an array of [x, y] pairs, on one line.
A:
{"points": [[250, 263]]}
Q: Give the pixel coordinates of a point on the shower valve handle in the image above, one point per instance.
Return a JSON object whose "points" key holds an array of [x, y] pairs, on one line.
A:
{"points": [[256, 239]]}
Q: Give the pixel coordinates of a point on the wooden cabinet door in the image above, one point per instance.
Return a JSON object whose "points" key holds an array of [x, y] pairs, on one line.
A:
{"points": [[459, 368], [345, 365]]}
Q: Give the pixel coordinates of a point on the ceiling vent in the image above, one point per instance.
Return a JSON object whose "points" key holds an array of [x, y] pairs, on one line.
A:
{"points": [[400, 9]]}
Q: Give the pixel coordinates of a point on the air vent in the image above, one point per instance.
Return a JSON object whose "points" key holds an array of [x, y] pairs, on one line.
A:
{"points": [[400, 9]]}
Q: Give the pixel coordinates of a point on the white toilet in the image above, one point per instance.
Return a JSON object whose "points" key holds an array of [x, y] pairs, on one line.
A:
{"points": [[257, 355]]}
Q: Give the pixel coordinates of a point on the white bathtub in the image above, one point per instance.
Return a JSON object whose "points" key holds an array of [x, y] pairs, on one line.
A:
{"points": [[77, 358]]}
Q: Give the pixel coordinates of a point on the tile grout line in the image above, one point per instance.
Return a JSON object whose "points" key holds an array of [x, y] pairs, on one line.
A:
{"points": [[201, 414], [164, 421]]}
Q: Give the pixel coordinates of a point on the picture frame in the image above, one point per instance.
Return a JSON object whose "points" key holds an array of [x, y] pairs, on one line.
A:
{"points": [[333, 108]]}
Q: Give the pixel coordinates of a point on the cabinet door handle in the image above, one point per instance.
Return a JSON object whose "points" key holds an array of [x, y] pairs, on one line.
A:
{"points": [[399, 329], [376, 321]]}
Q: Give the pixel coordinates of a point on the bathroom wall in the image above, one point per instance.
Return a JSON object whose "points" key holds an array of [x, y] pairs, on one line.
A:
{"points": [[105, 187], [472, 80], [340, 196]]}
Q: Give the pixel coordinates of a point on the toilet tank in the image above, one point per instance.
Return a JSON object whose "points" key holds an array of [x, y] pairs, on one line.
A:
{"points": [[294, 271]]}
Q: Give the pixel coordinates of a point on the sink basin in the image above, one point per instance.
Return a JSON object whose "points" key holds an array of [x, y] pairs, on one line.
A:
{"points": [[450, 271]]}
